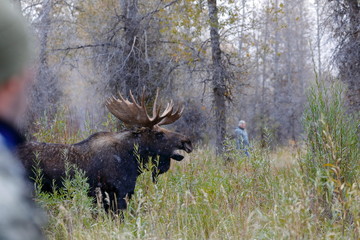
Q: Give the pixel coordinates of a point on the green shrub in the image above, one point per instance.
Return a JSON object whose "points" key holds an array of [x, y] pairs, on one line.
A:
{"points": [[331, 163]]}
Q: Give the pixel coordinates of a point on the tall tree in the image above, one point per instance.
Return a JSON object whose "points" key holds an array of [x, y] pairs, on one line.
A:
{"points": [[318, 9], [282, 67], [46, 91], [292, 70], [133, 55], [218, 78], [346, 29]]}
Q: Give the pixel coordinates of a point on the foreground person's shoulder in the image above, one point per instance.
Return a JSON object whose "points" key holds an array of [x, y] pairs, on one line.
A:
{"points": [[19, 218]]}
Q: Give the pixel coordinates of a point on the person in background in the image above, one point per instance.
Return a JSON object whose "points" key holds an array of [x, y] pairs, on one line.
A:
{"points": [[20, 219], [242, 139]]}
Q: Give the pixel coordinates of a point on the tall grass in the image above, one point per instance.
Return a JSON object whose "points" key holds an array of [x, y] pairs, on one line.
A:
{"points": [[201, 198], [230, 197], [332, 135], [331, 164]]}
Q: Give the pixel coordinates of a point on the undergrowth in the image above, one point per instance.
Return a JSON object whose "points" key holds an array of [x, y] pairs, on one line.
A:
{"points": [[270, 195], [331, 165], [200, 198]]}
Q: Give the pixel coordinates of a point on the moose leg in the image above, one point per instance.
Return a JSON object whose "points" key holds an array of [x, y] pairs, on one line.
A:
{"points": [[121, 205], [121, 202], [117, 202]]}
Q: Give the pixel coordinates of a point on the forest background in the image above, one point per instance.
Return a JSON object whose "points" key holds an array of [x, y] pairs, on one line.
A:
{"points": [[225, 60]]}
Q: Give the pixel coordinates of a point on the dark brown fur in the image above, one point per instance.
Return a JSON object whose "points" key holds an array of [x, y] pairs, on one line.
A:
{"points": [[107, 158]]}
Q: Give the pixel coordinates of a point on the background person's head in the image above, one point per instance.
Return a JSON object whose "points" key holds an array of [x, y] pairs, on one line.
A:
{"points": [[15, 54], [242, 124]]}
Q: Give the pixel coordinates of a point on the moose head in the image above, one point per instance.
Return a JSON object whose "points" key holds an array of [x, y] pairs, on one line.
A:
{"points": [[153, 141]]}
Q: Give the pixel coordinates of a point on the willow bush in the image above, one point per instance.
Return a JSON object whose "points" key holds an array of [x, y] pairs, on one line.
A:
{"points": [[331, 163]]}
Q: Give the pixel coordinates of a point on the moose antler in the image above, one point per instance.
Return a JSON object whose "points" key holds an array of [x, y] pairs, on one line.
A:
{"points": [[132, 113]]}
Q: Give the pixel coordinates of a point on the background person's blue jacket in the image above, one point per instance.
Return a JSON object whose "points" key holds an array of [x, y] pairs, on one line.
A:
{"points": [[242, 139]]}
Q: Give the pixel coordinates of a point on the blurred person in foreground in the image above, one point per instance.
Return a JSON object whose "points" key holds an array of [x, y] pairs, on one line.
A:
{"points": [[20, 219], [242, 139]]}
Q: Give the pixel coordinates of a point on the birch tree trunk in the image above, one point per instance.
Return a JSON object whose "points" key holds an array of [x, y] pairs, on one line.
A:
{"points": [[242, 29], [264, 106], [318, 38]]}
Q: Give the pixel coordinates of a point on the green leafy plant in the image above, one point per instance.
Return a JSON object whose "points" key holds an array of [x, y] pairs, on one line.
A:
{"points": [[331, 163]]}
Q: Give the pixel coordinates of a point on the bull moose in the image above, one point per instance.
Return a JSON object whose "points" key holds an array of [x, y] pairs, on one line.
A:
{"points": [[109, 159]]}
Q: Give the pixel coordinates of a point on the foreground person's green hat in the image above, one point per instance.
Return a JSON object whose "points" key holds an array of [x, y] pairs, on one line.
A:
{"points": [[14, 41]]}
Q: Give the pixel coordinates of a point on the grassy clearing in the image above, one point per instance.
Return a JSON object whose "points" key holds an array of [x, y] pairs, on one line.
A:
{"points": [[204, 198], [308, 192]]}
